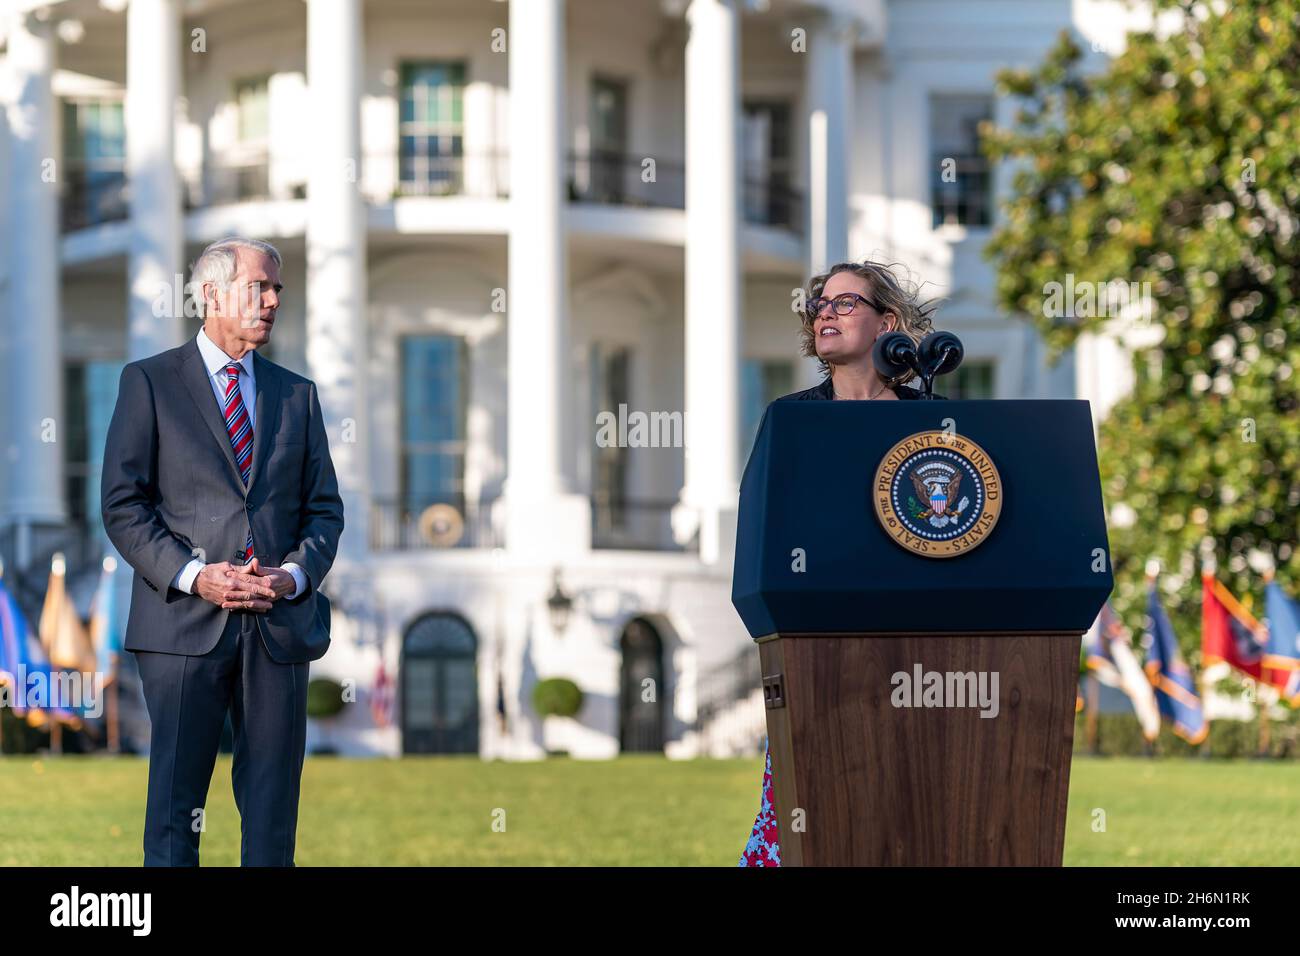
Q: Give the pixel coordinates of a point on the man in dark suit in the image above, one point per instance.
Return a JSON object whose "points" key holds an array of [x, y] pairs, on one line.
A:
{"points": [[219, 491]]}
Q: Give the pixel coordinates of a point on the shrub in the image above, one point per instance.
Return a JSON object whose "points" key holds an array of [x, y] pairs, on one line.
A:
{"points": [[324, 697], [557, 697]]}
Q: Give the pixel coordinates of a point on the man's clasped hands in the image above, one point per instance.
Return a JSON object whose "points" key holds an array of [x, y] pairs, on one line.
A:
{"points": [[248, 586]]}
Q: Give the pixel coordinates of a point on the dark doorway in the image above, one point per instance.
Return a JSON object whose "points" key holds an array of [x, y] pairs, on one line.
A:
{"points": [[767, 157], [641, 720], [609, 156], [440, 686]]}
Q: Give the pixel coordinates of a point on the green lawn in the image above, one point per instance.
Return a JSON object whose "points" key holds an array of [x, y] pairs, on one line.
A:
{"points": [[432, 811]]}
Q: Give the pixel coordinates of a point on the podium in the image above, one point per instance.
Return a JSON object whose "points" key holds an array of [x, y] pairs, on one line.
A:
{"points": [[917, 576]]}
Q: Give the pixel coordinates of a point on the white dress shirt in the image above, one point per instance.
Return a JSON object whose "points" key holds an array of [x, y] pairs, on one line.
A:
{"points": [[215, 361]]}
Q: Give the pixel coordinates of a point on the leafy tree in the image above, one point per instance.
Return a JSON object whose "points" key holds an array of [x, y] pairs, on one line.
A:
{"points": [[1178, 166]]}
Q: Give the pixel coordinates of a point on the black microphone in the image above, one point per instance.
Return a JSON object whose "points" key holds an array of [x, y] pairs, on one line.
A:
{"points": [[940, 353], [894, 355]]}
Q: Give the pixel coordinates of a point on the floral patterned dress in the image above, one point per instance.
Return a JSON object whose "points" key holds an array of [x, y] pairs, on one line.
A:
{"points": [[764, 845]]}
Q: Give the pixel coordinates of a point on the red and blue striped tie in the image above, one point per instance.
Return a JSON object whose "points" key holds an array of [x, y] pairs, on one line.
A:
{"points": [[240, 430]]}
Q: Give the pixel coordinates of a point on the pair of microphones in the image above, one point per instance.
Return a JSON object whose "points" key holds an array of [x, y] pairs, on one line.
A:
{"points": [[938, 354]]}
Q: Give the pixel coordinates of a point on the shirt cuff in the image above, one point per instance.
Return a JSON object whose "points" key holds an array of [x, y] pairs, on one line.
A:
{"points": [[299, 577], [186, 575]]}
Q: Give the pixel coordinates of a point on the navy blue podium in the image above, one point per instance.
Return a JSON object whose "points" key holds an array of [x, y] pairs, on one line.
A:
{"points": [[917, 576]]}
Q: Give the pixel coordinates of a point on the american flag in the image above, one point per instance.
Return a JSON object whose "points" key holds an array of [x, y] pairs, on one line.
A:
{"points": [[382, 697]]}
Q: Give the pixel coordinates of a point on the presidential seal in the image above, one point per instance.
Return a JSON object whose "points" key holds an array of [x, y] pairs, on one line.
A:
{"points": [[937, 494]]}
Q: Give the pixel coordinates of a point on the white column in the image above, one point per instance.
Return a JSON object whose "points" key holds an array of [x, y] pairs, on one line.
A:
{"points": [[829, 69], [336, 253], [828, 79], [542, 516], [34, 426], [156, 257], [7, 443], [713, 276]]}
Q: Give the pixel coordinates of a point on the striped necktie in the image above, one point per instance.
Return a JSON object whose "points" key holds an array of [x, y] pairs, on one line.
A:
{"points": [[240, 430]]}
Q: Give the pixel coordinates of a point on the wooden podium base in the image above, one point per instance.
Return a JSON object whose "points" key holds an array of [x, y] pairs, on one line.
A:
{"points": [[866, 775]]}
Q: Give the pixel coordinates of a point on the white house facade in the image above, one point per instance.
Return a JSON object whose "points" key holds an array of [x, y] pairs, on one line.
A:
{"points": [[509, 231]]}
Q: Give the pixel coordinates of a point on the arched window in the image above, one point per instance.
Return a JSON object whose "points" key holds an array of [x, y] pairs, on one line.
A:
{"points": [[439, 680], [641, 689]]}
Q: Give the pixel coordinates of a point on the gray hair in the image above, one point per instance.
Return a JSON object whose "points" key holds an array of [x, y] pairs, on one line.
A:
{"points": [[218, 263]]}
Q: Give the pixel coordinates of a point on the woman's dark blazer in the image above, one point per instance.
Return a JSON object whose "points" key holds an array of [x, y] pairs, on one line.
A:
{"points": [[826, 392]]}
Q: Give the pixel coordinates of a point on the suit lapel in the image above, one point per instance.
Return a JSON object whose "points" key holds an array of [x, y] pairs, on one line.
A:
{"points": [[268, 412], [195, 376]]}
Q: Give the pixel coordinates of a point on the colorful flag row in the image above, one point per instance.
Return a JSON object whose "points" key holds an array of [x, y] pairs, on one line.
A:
{"points": [[1267, 652], [31, 663]]}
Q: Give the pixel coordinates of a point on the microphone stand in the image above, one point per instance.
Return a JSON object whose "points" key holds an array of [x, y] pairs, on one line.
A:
{"points": [[927, 375]]}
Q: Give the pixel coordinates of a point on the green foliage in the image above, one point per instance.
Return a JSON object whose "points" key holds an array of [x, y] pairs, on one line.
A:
{"points": [[17, 736], [324, 698], [1179, 166], [1120, 735], [557, 697]]}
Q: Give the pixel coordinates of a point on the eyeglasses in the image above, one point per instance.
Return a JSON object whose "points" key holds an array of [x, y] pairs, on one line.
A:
{"points": [[842, 304]]}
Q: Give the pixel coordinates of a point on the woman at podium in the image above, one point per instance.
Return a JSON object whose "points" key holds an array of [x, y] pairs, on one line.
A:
{"points": [[848, 308]]}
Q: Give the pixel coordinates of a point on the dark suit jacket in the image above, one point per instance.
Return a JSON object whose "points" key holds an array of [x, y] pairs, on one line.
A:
{"points": [[171, 491], [825, 392]]}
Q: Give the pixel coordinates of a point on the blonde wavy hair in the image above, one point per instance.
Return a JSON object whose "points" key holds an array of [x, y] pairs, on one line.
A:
{"points": [[892, 290]]}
